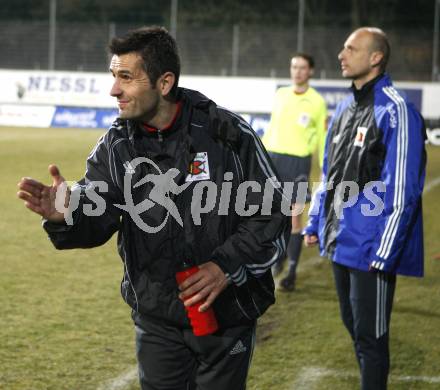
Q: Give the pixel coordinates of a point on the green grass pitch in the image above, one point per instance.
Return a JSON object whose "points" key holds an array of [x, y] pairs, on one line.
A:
{"points": [[63, 324]]}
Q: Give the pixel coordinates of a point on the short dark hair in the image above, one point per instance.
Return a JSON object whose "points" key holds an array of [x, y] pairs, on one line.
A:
{"points": [[157, 48], [306, 56]]}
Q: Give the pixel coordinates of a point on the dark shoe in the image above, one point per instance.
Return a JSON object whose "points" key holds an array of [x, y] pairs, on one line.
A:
{"points": [[288, 283]]}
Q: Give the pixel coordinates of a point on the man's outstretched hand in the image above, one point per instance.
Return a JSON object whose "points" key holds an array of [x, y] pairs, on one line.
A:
{"points": [[41, 198]]}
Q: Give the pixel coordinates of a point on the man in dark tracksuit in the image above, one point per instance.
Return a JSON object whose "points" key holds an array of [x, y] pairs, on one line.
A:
{"points": [[181, 179], [367, 215]]}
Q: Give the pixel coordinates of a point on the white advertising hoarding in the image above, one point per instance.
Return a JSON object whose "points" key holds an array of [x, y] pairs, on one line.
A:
{"points": [[60, 88], [240, 94], [26, 115]]}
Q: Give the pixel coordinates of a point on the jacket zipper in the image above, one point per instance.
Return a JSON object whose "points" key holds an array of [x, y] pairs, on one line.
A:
{"points": [[353, 121], [330, 248]]}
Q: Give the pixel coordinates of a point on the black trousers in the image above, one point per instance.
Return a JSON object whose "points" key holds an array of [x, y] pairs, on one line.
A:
{"points": [[172, 358], [365, 300]]}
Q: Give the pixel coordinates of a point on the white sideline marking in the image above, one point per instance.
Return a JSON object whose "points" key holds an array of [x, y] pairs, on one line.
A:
{"points": [[121, 382], [433, 183], [310, 377]]}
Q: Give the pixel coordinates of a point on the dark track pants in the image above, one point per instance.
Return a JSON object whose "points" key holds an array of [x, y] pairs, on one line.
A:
{"points": [[365, 300], [171, 358]]}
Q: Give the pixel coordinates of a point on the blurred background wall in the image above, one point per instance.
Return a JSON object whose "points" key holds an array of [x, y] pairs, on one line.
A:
{"points": [[219, 38]]}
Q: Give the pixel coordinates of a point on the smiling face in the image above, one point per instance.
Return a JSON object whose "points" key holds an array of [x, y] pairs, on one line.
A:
{"points": [[358, 60], [137, 97]]}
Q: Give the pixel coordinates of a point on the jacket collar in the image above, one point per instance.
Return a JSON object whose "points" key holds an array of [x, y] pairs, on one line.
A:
{"points": [[360, 94]]}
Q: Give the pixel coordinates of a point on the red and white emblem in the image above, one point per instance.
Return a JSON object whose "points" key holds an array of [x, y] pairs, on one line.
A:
{"points": [[198, 168], [360, 136]]}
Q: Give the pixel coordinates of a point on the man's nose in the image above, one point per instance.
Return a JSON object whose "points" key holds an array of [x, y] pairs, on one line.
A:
{"points": [[340, 55], [116, 89]]}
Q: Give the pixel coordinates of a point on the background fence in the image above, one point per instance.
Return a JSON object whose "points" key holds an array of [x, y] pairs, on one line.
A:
{"points": [[239, 50]]}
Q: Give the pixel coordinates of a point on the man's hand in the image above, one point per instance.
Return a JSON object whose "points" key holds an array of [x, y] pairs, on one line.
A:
{"points": [[310, 240], [204, 286], [40, 198]]}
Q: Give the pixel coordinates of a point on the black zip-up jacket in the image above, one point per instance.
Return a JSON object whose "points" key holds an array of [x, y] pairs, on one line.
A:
{"points": [[207, 147]]}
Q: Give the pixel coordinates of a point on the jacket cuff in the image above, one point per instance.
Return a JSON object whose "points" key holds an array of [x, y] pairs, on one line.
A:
{"points": [[61, 227], [378, 265], [55, 227], [236, 276]]}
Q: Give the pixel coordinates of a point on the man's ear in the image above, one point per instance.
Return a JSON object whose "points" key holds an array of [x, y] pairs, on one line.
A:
{"points": [[166, 83], [376, 58]]}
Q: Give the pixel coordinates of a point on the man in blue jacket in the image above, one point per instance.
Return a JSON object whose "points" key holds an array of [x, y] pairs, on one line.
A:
{"points": [[367, 214]]}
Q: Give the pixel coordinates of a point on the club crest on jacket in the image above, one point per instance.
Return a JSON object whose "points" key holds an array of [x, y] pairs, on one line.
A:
{"points": [[198, 168]]}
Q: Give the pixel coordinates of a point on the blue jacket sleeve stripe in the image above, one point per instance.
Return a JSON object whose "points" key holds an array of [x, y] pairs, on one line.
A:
{"points": [[391, 228]]}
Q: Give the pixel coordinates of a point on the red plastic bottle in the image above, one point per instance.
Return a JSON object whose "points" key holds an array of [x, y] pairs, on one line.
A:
{"points": [[203, 323]]}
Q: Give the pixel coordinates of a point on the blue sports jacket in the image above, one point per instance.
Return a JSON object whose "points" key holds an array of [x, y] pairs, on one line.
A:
{"points": [[367, 211]]}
